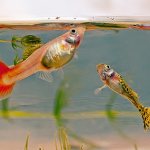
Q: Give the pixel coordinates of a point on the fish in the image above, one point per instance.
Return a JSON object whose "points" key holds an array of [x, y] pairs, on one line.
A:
{"points": [[49, 57], [116, 83]]}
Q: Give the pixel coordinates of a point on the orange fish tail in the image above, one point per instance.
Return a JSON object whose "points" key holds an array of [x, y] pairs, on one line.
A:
{"points": [[5, 89], [145, 112]]}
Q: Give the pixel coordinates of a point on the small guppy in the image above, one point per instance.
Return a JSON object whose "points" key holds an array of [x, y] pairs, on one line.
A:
{"points": [[115, 82], [49, 57]]}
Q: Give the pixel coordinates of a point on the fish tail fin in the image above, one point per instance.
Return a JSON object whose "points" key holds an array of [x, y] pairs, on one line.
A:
{"points": [[145, 112], [5, 89]]}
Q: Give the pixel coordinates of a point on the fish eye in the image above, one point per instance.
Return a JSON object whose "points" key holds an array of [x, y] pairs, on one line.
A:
{"points": [[107, 67], [73, 31]]}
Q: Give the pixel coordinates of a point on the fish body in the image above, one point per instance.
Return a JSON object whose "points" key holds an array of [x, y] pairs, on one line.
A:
{"points": [[58, 54], [115, 82], [50, 56]]}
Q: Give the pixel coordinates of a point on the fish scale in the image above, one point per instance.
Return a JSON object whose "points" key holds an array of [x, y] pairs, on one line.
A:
{"points": [[127, 89]]}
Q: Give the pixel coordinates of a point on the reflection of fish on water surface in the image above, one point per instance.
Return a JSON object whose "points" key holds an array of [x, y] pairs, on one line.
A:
{"points": [[115, 82], [49, 57]]}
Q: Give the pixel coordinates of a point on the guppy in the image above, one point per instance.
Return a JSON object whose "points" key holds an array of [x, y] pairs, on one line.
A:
{"points": [[49, 57], [115, 82]]}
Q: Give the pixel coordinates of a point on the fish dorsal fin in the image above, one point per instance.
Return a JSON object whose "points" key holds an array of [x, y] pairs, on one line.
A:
{"points": [[46, 76]]}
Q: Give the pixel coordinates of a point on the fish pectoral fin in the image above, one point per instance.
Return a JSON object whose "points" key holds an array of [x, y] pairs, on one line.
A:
{"points": [[76, 56], [61, 72], [99, 89], [46, 76]]}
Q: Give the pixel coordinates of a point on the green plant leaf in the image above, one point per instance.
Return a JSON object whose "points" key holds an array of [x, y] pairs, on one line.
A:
{"points": [[111, 114], [30, 40], [61, 101], [26, 143], [62, 141], [5, 108], [16, 59], [15, 42]]}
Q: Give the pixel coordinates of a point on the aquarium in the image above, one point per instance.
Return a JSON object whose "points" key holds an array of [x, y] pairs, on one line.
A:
{"points": [[60, 110]]}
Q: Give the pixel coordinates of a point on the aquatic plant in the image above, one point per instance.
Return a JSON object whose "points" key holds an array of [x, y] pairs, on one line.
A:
{"points": [[28, 44], [25, 41], [5, 108], [62, 143], [26, 143], [62, 101], [112, 117]]}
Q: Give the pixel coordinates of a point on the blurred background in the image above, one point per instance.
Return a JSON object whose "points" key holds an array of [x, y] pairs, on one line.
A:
{"points": [[37, 109], [29, 9]]}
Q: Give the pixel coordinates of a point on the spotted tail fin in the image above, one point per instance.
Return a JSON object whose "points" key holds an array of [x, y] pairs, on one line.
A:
{"points": [[5, 89], [145, 112]]}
